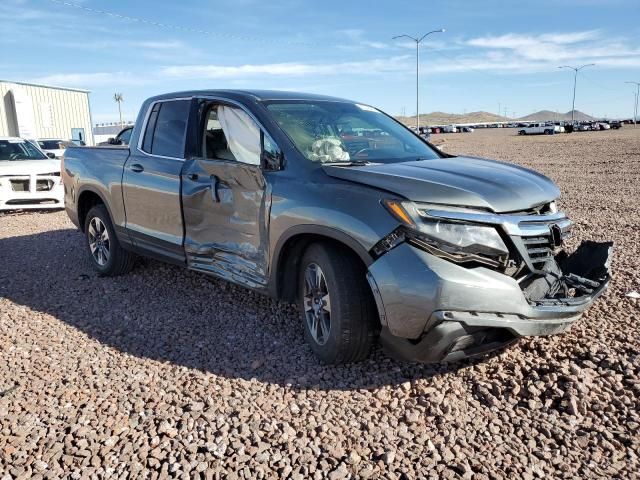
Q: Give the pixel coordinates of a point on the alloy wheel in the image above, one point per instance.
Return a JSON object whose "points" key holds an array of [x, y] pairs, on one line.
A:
{"points": [[99, 242], [317, 303]]}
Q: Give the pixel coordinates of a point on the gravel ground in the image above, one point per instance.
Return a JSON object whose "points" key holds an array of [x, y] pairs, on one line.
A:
{"points": [[166, 373]]}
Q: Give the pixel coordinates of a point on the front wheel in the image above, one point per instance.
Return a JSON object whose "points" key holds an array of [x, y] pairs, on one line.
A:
{"points": [[105, 252], [336, 304]]}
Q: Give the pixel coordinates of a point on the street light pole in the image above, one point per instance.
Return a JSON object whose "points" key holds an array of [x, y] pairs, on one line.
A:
{"points": [[418, 41], [575, 81], [635, 108]]}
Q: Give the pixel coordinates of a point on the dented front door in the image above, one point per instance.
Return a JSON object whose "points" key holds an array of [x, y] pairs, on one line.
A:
{"points": [[226, 210]]}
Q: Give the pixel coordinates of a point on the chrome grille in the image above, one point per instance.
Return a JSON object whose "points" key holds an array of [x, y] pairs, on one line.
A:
{"points": [[536, 237], [539, 249]]}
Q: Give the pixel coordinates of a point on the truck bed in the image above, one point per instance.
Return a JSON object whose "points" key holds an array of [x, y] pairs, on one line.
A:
{"points": [[101, 169]]}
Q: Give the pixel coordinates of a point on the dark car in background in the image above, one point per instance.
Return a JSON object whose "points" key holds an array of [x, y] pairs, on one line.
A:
{"points": [[122, 138]]}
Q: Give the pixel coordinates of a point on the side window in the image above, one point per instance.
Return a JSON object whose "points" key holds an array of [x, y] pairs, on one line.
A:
{"points": [[231, 134], [151, 126], [168, 137], [166, 127], [215, 144]]}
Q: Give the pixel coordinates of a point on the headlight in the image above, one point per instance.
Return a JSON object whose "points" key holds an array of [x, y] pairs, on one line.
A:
{"points": [[459, 237], [449, 236]]}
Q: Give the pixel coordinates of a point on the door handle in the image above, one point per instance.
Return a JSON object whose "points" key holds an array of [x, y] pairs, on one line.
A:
{"points": [[214, 189], [136, 167], [192, 176]]}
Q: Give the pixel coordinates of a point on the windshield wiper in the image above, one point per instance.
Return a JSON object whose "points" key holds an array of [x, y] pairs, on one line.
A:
{"points": [[348, 163]]}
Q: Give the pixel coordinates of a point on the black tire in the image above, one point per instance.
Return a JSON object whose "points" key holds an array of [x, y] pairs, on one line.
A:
{"points": [[117, 261], [353, 315], [522, 132], [548, 132]]}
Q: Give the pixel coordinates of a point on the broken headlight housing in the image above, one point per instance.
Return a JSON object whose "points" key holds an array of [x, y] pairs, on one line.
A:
{"points": [[458, 242]]}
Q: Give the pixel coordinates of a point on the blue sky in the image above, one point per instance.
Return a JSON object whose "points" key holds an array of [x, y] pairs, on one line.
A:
{"points": [[493, 52]]}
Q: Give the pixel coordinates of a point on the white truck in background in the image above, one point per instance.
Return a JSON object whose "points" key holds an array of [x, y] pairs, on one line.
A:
{"points": [[541, 129]]}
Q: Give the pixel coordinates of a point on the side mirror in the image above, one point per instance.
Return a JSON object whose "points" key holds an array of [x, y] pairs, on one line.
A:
{"points": [[271, 157], [272, 161], [51, 155], [112, 141]]}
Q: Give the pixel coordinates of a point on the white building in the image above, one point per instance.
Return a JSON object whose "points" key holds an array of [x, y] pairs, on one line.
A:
{"points": [[39, 111]]}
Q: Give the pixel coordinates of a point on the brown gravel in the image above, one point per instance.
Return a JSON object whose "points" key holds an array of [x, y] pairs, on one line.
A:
{"points": [[166, 373]]}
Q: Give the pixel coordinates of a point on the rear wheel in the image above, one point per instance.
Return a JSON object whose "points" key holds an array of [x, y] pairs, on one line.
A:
{"points": [[105, 252], [522, 132], [548, 132], [337, 308]]}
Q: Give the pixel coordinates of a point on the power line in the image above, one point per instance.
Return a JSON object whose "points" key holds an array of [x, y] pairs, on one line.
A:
{"points": [[466, 66], [597, 84], [180, 28]]}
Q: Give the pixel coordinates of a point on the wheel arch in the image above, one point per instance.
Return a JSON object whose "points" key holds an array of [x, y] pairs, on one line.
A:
{"points": [[290, 247], [87, 199]]}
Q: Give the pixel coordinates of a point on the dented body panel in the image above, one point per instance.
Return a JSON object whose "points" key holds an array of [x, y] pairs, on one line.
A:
{"points": [[243, 222], [226, 207]]}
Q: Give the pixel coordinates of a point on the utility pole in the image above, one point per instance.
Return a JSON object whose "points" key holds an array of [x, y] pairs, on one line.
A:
{"points": [[418, 41], [635, 108], [575, 81], [499, 108], [117, 97]]}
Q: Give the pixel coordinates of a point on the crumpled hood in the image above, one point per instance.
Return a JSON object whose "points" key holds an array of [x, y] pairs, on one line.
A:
{"points": [[29, 167], [461, 181]]}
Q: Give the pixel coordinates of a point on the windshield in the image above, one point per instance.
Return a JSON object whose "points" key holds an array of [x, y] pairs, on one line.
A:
{"points": [[19, 150], [51, 144], [335, 132]]}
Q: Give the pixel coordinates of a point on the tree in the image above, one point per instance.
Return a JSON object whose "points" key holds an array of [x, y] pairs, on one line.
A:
{"points": [[119, 99]]}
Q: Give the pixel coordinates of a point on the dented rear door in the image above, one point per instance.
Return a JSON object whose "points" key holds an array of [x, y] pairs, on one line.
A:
{"points": [[226, 210]]}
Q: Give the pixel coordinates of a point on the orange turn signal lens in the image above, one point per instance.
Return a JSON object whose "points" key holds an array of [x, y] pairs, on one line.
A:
{"points": [[398, 211]]}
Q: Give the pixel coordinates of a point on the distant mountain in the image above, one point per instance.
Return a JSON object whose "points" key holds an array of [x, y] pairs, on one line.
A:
{"points": [[548, 115], [443, 118]]}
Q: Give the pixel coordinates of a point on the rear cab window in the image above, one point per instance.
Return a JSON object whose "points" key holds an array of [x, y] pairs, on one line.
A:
{"points": [[165, 130]]}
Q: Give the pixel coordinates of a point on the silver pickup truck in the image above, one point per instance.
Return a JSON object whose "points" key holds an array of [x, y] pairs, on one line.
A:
{"points": [[336, 206]]}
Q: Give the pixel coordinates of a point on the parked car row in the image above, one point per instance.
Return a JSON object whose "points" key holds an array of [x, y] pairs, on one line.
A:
{"points": [[426, 131], [594, 126]]}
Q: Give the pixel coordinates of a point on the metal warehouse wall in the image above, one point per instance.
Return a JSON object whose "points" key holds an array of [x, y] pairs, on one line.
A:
{"points": [[54, 111]]}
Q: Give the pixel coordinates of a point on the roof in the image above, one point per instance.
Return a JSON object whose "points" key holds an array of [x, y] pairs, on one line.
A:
{"points": [[11, 138], [260, 95], [46, 86]]}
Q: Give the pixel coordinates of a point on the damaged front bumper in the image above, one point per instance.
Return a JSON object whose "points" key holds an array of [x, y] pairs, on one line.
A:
{"points": [[433, 310]]}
